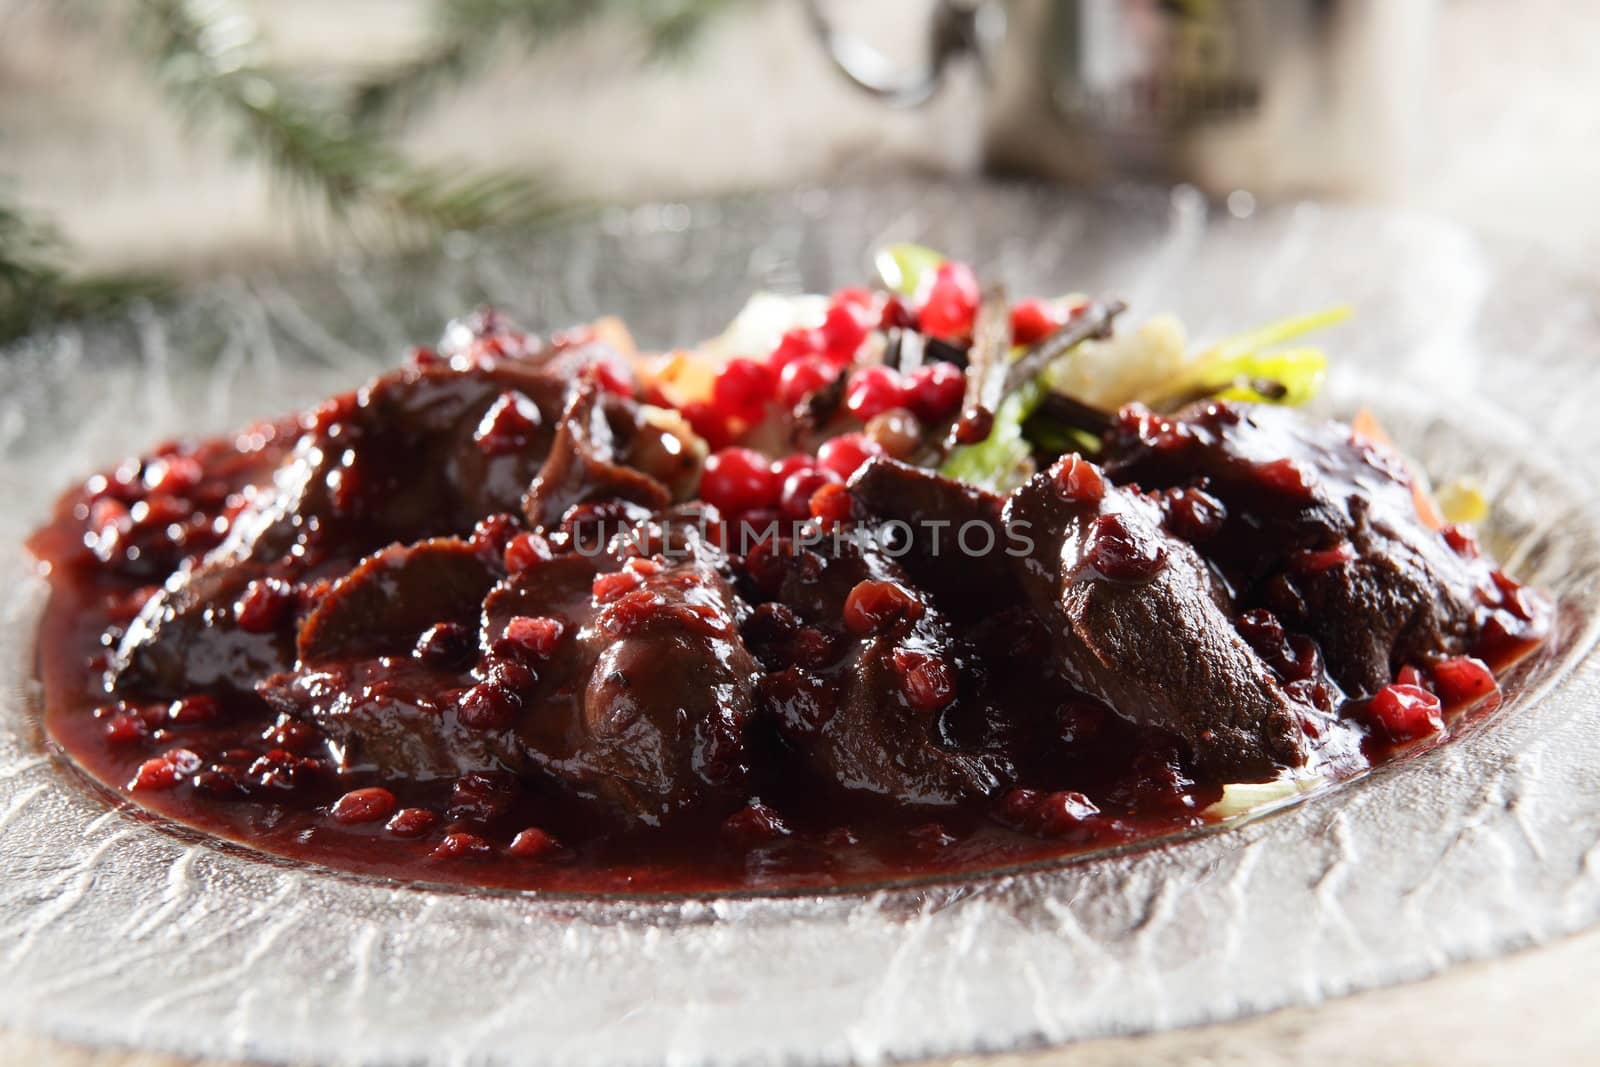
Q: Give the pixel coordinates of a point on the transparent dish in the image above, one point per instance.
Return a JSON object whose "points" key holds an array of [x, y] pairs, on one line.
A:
{"points": [[117, 928]]}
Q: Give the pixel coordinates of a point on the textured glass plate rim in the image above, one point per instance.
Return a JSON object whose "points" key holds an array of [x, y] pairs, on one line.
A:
{"points": [[928, 902]]}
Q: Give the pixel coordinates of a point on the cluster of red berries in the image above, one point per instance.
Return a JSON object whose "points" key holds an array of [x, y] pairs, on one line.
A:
{"points": [[1413, 706], [741, 481]]}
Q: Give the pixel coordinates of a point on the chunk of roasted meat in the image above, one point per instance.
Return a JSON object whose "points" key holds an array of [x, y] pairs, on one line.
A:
{"points": [[1305, 519], [872, 670], [647, 705], [488, 591], [1139, 621], [1135, 617], [424, 452]]}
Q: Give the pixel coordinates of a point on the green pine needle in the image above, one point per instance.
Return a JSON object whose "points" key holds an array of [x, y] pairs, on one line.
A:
{"points": [[467, 30], [35, 289], [206, 54]]}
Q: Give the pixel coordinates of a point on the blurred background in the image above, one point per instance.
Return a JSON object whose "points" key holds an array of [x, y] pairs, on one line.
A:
{"points": [[163, 140]]}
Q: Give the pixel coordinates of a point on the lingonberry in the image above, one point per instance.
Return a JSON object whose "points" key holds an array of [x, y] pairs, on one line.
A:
{"points": [[794, 501], [708, 421], [743, 387], [196, 709], [373, 804], [804, 376], [444, 644], [411, 822], [1078, 480], [846, 326], [1121, 553], [792, 464], [874, 390], [462, 846], [487, 706], [872, 605], [797, 344], [1464, 679], [950, 302], [737, 480], [926, 680], [1405, 712], [844, 454], [536, 635], [509, 425], [936, 390], [532, 843], [264, 605], [1034, 320]]}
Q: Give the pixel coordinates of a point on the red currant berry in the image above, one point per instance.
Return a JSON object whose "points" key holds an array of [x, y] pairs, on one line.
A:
{"points": [[844, 455], [874, 390], [1034, 320], [951, 302], [736, 480], [936, 391], [802, 377], [1405, 712], [743, 387]]}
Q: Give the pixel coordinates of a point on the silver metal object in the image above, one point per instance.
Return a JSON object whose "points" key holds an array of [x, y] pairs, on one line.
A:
{"points": [[115, 931], [1275, 96]]}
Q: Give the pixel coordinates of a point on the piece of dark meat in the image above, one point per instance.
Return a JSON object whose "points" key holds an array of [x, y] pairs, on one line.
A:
{"points": [[420, 453], [857, 720], [952, 532], [395, 595], [585, 464], [393, 718], [1140, 623], [648, 706], [1321, 528], [1157, 646]]}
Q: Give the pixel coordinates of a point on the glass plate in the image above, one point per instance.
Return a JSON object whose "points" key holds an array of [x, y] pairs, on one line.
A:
{"points": [[117, 929]]}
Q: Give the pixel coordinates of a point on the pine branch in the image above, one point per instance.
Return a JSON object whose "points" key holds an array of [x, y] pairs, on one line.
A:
{"points": [[467, 30], [207, 57], [34, 287]]}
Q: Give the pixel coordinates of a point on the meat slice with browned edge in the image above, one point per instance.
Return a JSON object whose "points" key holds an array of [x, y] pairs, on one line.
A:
{"points": [[1320, 527], [868, 713], [421, 453], [1138, 621]]}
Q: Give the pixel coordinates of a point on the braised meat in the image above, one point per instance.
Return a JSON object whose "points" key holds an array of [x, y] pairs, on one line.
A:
{"points": [[1139, 622], [1319, 527], [424, 452], [505, 606], [879, 671]]}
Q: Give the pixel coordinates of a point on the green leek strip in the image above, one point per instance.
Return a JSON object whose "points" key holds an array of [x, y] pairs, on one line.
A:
{"points": [[1228, 369]]}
